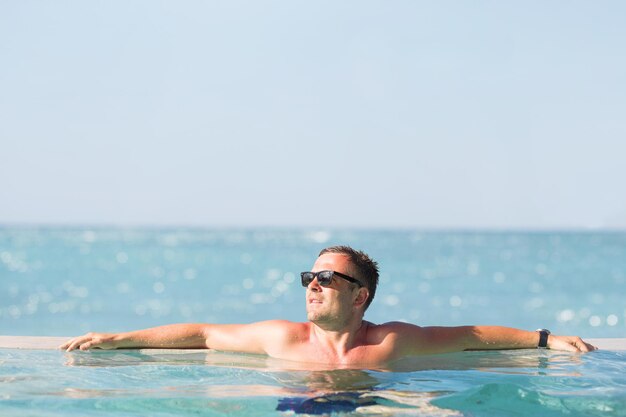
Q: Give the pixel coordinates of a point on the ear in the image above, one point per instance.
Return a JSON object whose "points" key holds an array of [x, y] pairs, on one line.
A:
{"points": [[362, 296]]}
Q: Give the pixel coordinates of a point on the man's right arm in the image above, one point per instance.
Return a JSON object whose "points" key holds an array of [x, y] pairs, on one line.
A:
{"points": [[245, 338]]}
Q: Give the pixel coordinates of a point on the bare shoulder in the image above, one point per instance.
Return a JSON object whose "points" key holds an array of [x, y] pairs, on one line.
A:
{"points": [[393, 327], [282, 330], [280, 335], [393, 330], [391, 340], [280, 325], [258, 337], [410, 339]]}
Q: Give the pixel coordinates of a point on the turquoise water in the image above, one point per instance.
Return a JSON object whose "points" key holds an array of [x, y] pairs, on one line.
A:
{"points": [[511, 383], [62, 282]]}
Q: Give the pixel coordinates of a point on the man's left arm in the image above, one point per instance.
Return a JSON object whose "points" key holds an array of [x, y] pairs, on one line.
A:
{"points": [[428, 340], [497, 337]]}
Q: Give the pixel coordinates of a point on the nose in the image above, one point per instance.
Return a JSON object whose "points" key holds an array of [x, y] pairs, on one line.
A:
{"points": [[314, 285]]}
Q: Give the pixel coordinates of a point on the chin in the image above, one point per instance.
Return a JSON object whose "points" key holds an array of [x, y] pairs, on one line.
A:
{"points": [[320, 317], [314, 316]]}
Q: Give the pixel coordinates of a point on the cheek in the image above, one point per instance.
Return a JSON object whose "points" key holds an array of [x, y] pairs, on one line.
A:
{"points": [[347, 299]]}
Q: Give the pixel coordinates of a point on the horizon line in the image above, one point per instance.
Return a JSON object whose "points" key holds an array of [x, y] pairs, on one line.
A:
{"points": [[415, 228]]}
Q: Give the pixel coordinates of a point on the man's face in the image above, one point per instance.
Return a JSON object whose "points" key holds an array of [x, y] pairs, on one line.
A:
{"points": [[332, 304]]}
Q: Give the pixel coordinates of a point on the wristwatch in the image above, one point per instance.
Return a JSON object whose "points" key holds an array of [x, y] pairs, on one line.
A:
{"points": [[543, 338]]}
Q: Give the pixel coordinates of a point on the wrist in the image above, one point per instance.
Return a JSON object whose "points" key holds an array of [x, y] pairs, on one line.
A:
{"points": [[121, 340], [544, 334]]}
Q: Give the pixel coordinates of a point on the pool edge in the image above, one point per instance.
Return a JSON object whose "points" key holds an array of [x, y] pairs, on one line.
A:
{"points": [[53, 342]]}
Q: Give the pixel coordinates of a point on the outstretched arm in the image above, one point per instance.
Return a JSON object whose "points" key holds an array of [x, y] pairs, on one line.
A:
{"points": [[246, 338], [424, 340], [496, 337], [170, 336]]}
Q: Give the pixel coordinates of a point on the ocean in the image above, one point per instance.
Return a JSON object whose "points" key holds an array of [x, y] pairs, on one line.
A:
{"points": [[58, 281]]}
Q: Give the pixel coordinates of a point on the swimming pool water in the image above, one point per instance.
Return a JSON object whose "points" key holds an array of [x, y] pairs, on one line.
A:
{"points": [[508, 383], [66, 281]]}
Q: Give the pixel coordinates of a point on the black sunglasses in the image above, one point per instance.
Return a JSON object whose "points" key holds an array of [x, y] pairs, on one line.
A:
{"points": [[324, 278]]}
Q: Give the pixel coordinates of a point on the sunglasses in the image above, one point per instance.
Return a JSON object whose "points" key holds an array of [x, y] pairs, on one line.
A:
{"points": [[324, 278]]}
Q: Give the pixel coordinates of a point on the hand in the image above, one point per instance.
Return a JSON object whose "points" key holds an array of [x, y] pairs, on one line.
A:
{"points": [[91, 340], [569, 343]]}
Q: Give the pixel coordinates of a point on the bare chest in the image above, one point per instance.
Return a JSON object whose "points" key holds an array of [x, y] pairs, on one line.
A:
{"points": [[358, 355]]}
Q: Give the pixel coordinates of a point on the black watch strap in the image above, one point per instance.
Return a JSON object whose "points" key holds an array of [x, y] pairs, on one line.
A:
{"points": [[543, 338]]}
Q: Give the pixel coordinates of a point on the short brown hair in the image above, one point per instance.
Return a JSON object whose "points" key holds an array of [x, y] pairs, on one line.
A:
{"points": [[365, 267]]}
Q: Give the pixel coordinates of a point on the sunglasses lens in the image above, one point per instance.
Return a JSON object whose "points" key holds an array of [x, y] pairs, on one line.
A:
{"points": [[324, 278], [307, 277]]}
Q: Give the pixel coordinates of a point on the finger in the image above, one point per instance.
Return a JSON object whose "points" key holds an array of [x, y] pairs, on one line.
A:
{"points": [[569, 347], [582, 345], [69, 345], [588, 347], [75, 343], [86, 346], [562, 343], [72, 346]]}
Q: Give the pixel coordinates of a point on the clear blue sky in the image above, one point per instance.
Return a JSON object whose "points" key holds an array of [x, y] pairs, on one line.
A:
{"points": [[441, 114]]}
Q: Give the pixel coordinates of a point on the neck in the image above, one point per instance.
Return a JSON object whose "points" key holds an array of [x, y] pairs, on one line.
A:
{"points": [[338, 339]]}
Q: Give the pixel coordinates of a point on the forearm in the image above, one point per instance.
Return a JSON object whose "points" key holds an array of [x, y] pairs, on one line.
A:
{"points": [[169, 336], [497, 337], [440, 339]]}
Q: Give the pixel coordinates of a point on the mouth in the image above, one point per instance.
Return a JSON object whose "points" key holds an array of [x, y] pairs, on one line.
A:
{"points": [[314, 301]]}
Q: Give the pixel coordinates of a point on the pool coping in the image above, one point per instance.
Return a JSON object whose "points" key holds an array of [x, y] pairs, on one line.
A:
{"points": [[53, 343]]}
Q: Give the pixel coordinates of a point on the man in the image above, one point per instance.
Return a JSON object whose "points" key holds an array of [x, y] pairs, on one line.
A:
{"points": [[339, 289]]}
